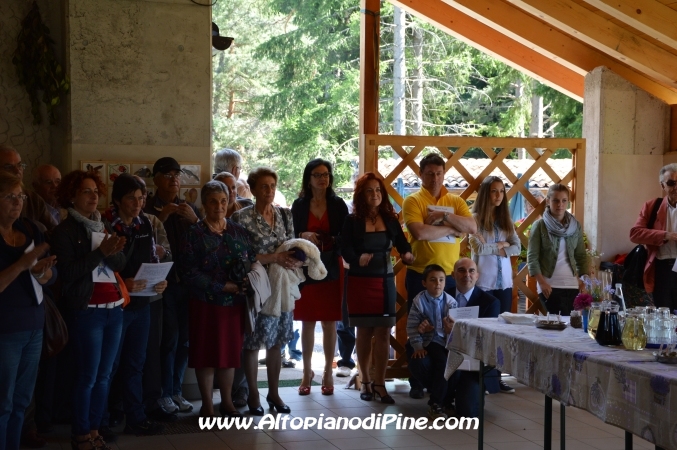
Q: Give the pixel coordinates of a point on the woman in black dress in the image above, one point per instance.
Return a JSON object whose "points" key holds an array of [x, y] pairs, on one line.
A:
{"points": [[366, 240]]}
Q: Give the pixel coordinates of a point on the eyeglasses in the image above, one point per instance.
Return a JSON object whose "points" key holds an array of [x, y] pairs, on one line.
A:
{"points": [[169, 176], [13, 197], [11, 167], [670, 183], [320, 175]]}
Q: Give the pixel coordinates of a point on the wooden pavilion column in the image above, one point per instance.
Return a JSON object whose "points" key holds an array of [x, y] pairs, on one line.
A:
{"points": [[370, 39]]}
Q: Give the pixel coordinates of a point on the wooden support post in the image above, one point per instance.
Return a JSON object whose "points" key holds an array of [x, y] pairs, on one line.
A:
{"points": [[673, 128], [370, 37]]}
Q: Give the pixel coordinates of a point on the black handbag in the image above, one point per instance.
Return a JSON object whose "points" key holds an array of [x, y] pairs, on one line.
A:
{"points": [[636, 260]]}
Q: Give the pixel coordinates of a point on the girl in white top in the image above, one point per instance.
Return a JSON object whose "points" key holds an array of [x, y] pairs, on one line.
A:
{"points": [[495, 241]]}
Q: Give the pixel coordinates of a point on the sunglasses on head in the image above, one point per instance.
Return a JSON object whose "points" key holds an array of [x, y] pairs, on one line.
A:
{"points": [[670, 183]]}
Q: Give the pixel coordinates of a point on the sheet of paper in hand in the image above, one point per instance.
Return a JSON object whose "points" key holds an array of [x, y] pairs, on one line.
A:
{"points": [[467, 312], [37, 287], [449, 239], [153, 274], [102, 273]]}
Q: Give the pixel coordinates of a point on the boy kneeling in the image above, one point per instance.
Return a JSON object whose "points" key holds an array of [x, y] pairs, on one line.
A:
{"points": [[428, 328]]}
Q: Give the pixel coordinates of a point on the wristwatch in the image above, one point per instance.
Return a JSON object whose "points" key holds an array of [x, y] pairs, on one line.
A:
{"points": [[445, 217]]}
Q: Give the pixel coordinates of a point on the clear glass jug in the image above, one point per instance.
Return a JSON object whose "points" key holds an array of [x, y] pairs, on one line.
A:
{"points": [[634, 335], [593, 318], [609, 328]]}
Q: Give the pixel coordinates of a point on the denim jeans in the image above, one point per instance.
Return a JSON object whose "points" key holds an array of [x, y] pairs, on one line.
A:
{"points": [[464, 388], [665, 288], [414, 284], [174, 347], [19, 358], [152, 369], [345, 333], [95, 335], [504, 297], [429, 370], [127, 373], [561, 301]]}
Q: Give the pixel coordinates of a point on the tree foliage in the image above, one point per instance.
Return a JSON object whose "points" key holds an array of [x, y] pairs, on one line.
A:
{"points": [[294, 74]]}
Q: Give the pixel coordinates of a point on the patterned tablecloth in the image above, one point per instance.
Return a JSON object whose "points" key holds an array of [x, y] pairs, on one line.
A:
{"points": [[624, 388]]}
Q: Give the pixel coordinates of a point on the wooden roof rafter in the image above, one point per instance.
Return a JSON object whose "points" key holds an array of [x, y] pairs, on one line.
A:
{"points": [[460, 18]]}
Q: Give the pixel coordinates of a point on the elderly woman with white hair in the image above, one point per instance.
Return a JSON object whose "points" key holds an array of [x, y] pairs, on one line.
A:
{"points": [[217, 254]]}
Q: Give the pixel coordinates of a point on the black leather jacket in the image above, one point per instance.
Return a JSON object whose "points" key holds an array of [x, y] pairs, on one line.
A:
{"points": [[76, 260]]}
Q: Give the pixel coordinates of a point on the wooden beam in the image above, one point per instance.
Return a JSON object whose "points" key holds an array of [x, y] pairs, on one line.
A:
{"points": [[673, 128], [606, 36], [370, 41], [501, 47], [554, 44], [648, 16]]}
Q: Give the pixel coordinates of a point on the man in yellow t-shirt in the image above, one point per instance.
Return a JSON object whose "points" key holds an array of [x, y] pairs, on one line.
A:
{"points": [[435, 219]]}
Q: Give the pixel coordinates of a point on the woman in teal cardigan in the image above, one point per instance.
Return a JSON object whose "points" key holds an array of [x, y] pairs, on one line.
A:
{"points": [[556, 256]]}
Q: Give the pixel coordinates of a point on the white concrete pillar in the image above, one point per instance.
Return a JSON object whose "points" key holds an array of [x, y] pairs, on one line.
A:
{"points": [[627, 131]]}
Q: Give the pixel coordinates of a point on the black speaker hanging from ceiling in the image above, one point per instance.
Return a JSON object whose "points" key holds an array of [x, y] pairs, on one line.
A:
{"points": [[220, 42]]}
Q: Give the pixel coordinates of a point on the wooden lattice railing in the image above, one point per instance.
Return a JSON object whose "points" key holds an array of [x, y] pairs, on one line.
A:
{"points": [[452, 148]]}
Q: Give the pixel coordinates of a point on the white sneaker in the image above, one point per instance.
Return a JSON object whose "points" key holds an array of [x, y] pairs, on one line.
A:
{"points": [[343, 371], [167, 405], [183, 404]]}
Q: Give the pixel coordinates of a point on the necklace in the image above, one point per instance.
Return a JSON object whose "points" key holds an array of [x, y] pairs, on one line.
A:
{"points": [[215, 230]]}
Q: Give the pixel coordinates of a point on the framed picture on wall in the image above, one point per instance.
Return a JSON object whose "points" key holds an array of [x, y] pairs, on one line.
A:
{"points": [[191, 195], [117, 169], [145, 171], [98, 167], [150, 193], [191, 175]]}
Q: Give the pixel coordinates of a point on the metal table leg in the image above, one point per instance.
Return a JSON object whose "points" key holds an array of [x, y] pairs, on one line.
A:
{"points": [[480, 437], [562, 425], [547, 426]]}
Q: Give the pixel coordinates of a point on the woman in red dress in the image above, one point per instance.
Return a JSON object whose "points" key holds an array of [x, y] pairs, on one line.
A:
{"points": [[318, 217]]}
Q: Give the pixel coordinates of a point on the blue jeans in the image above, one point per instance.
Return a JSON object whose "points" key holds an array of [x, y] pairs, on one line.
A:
{"points": [[19, 356], [414, 284], [129, 361], [152, 368], [429, 370], [174, 346], [504, 297], [345, 334], [95, 336]]}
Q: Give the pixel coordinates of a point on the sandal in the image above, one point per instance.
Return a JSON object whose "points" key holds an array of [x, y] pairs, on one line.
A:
{"points": [[327, 390], [99, 443], [385, 398], [76, 443], [305, 390], [365, 392]]}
